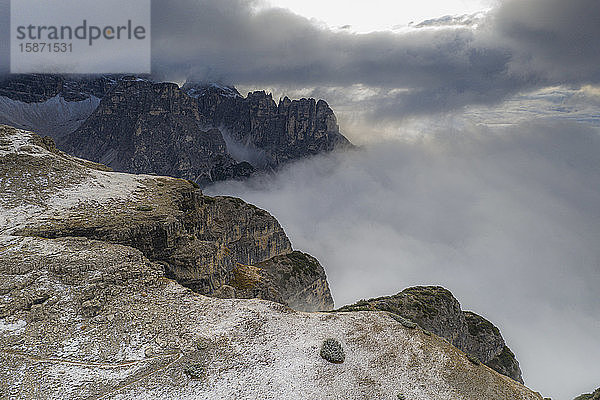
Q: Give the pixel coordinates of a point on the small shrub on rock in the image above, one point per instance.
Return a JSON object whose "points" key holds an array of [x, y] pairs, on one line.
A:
{"points": [[332, 351]]}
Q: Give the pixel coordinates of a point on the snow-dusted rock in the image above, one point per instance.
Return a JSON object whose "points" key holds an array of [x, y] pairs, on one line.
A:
{"points": [[85, 316]]}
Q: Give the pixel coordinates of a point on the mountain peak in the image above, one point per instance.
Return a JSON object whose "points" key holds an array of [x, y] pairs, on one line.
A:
{"points": [[198, 89]]}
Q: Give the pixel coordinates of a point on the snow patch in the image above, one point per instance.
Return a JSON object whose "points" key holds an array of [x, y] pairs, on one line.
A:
{"points": [[70, 348], [100, 187], [134, 350], [12, 219], [14, 142], [15, 328]]}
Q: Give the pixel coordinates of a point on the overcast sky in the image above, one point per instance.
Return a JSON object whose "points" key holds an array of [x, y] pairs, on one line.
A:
{"points": [[451, 57], [378, 15], [480, 168], [517, 46]]}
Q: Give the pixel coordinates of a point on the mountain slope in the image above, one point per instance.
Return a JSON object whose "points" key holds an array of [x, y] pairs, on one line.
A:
{"points": [[198, 240], [435, 308], [87, 308], [50, 104], [98, 320], [55, 117], [153, 128]]}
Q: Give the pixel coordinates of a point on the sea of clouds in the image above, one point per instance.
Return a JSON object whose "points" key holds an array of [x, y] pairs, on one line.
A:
{"points": [[507, 218]]}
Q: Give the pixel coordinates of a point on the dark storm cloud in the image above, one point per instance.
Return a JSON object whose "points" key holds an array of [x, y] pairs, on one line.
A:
{"points": [[520, 45], [274, 46], [554, 39]]}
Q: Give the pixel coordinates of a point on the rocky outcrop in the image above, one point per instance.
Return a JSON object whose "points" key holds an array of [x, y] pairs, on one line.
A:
{"points": [[280, 132], [205, 133], [35, 88], [81, 318], [435, 308], [590, 396], [153, 128], [295, 279], [89, 307], [199, 240], [301, 281]]}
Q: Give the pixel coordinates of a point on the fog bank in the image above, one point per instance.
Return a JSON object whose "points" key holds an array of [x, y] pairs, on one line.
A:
{"points": [[507, 218]]}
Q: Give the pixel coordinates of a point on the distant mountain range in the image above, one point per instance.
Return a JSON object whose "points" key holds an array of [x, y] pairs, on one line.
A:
{"points": [[204, 132]]}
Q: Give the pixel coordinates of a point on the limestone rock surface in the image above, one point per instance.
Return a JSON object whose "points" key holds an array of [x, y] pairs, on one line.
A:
{"points": [[199, 240], [435, 308]]}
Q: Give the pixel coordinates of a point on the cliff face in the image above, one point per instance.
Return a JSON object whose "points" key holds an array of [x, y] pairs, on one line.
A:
{"points": [[295, 279], [145, 127], [35, 88], [285, 131], [199, 240], [301, 281], [435, 309], [485, 342], [139, 126]]}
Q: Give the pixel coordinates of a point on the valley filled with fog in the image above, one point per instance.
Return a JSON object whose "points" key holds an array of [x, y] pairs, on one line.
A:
{"points": [[505, 217]]}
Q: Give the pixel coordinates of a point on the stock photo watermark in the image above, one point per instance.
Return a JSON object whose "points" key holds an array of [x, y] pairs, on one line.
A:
{"points": [[80, 36]]}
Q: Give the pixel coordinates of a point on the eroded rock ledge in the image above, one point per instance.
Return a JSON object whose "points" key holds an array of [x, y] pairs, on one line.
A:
{"points": [[435, 308], [199, 240]]}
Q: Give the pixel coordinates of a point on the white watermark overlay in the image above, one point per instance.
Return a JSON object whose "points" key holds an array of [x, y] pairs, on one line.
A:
{"points": [[80, 36]]}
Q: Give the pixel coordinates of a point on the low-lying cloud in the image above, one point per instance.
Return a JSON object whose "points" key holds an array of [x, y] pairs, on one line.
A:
{"points": [[506, 218], [518, 46]]}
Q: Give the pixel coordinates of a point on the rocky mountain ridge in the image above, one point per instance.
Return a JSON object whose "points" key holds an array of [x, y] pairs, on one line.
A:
{"points": [[154, 128], [201, 132], [199, 240], [435, 308], [92, 305], [589, 396], [36, 88], [278, 132]]}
